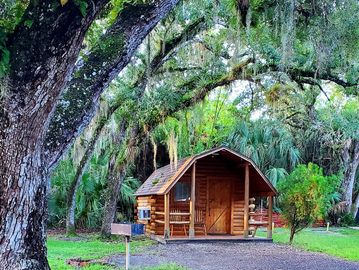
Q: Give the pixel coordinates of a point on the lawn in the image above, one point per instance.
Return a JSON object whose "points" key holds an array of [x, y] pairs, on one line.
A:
{"points": [[60, 249], [339, 242]]}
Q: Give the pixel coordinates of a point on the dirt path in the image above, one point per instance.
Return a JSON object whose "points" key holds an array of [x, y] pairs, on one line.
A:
{"points": [[229, 256]]}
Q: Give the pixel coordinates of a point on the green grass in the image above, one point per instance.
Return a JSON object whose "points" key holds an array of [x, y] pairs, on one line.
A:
{"points": [[339, 242], [61, 249]]}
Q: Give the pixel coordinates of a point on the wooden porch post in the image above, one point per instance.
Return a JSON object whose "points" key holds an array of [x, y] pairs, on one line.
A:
{"points": [[270, 217], [246, 201], [167, 216], [192, 202]]}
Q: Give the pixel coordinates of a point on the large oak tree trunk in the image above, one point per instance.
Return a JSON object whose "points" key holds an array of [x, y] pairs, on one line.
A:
{"points": [[23, 208], [107, 59], [42, 59], [115, 180]]}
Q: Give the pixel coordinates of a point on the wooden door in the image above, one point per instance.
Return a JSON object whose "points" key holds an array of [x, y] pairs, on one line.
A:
{"points": [[219, 206]]}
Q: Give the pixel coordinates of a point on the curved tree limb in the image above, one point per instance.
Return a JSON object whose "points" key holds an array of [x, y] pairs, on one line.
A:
{"points": [[108, 58]]}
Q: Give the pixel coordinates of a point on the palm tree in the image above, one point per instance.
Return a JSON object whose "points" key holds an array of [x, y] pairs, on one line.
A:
{"points": [[268, 144]]}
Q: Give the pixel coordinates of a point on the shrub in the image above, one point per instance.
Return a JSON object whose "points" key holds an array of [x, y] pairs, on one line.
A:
{"points": [[347, 220], [305, 196]]}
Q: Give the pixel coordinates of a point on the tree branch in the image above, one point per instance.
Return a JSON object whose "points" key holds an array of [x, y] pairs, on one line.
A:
{"points": [[296, 72], [108, 58]]}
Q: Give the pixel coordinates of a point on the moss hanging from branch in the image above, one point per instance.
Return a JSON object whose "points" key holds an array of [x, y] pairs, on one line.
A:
{"points": [[154, 145], [172, 141]]}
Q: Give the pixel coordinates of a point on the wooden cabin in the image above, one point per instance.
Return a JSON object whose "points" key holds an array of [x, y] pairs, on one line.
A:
{"points": [[213, 194]]}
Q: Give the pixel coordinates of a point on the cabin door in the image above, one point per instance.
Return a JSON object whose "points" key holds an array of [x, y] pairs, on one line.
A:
{"points": [[219, 205]]}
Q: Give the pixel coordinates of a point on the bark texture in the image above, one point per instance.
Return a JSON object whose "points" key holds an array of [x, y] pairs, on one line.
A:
{"points": [[42, 58], [350, 162], [109, 57]]}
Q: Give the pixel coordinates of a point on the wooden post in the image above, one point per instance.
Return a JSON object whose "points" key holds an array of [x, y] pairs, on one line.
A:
{"points": [[246, 201], [270, 217], [167, 216], [192, 202], [127, 240]]}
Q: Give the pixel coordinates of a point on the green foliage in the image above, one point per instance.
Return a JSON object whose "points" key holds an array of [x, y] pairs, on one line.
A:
{"points": [[60, 182], [268, 143], [341, 115], [305, 196], [270, 114], [11, 12], [347, 220], [90, 196], [4, 55], [205, 126], [82, 5]]}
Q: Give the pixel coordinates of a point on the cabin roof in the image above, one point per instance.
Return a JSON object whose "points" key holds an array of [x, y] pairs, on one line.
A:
{"points": [[164, 178]]}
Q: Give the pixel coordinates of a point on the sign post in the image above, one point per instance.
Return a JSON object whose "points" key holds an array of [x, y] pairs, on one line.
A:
{"points": [[127, 229], [127, 239]]}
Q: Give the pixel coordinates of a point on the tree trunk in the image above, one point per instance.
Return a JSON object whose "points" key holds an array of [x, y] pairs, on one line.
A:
{"points": [[355, 207], [351, 162], [23, 208], [42, 58], [117, 173], [80, 170], [291, 236], [113, 52], [114, 184]]}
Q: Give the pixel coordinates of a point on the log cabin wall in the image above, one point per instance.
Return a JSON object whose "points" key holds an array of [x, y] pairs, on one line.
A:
{"points": [[237, 215], [145, 202], [158, 228], [217, 169]]}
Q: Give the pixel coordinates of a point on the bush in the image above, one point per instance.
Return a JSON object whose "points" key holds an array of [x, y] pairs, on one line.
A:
{"points": [[347, 220], [305, 196]]}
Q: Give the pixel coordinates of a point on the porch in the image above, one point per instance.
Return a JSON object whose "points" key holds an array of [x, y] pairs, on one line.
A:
{"points": [[208, 239]]}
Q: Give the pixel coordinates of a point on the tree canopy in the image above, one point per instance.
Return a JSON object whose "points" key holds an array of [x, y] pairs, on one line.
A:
{"points": [[95, 95]]}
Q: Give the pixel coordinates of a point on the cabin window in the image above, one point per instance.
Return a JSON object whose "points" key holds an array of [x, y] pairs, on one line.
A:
{"points": [[144, 213], [182, 192]]}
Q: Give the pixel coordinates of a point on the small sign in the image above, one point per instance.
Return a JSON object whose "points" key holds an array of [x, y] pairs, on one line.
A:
{"points": [[121, 229], [127, 229]]}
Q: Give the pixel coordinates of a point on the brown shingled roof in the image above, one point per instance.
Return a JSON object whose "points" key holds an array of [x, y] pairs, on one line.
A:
{"points": [[159, 178], [162, 179]]}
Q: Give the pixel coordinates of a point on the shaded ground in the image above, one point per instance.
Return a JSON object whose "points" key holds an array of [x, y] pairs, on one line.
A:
{"points": [[226, 256]]}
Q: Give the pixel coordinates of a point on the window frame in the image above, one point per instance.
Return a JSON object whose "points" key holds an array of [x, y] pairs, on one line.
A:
{"points": [[144, 213], [188, 189]]}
